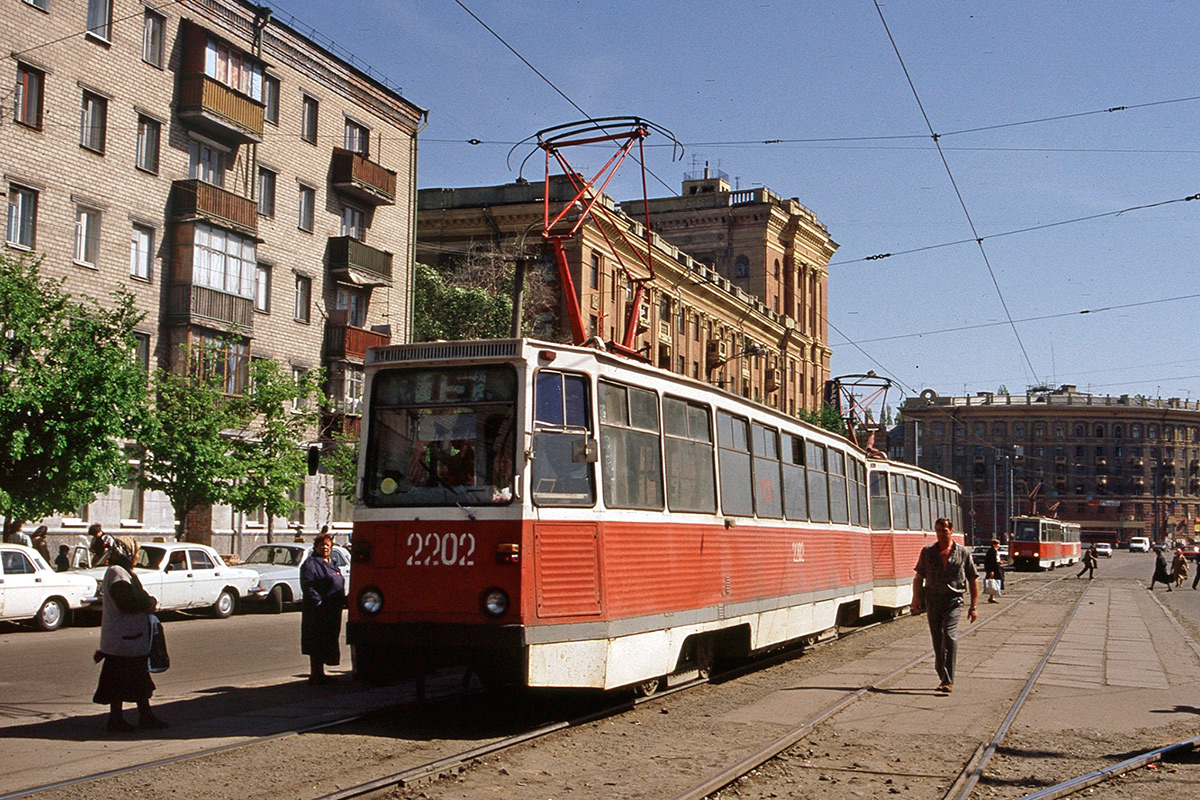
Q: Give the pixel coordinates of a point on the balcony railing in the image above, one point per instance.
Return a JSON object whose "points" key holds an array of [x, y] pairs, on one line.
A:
{"points": [[195, 198], [357, 175], [212, 105], [202, 304], [350, 259], [347, 341]]}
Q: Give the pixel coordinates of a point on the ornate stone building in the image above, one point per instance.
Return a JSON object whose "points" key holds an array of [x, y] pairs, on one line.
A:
{"points": [[1119, 466], [747, 315], [245, 184]]}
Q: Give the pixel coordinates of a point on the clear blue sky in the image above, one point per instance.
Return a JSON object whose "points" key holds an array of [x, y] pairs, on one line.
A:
{"points": [[725, 76]]}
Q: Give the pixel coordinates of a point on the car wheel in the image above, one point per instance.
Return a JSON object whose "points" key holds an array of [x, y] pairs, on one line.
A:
{"points": [[275, 600], [51, 615], [225, 604]]}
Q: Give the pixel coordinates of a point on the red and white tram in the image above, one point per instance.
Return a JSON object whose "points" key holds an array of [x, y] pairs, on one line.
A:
{"points": [[558, 516], [1043, 543]]}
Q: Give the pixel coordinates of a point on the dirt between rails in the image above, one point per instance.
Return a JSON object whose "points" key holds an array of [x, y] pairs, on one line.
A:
{"points": [[904, 741]]}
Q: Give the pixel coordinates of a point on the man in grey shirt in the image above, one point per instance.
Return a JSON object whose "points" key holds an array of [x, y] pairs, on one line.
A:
{"points": [[945, 573]]}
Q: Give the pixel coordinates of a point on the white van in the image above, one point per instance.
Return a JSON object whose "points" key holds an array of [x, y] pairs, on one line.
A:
{"points": [[1139, 544]]}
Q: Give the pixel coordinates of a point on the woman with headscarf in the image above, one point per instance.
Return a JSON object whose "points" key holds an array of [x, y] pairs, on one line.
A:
{"points": [[323, 592], [125, 640]]}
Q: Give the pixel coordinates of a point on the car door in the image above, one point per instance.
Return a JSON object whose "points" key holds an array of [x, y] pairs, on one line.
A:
{"points": [[171, 582], [23, 590], [340, 560], [207, 581]]}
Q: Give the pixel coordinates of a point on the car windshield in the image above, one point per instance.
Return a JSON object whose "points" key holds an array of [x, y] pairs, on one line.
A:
{"points": [[284, 556], [150, 557]]}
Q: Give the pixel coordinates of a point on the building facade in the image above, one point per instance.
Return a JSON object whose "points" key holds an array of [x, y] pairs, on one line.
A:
{"points": [[761, 335], [250, 189], [1119, 466]]}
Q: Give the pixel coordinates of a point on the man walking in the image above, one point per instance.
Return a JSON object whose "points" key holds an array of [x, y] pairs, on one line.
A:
{"points": [[945, 573]]}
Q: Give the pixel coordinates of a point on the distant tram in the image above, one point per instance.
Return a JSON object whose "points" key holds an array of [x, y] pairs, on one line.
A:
{"points": [[554, 515], [1043, 543]]}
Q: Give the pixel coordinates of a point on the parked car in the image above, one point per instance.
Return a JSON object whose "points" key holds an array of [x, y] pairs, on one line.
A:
{"points": [[1139, 544], [1103, 549], [31, 589], [278, 568], [979, 553], [181, 575]]}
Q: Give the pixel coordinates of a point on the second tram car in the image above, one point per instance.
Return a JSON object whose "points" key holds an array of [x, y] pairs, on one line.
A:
{"points": [[557, 516], [1043, 543]]}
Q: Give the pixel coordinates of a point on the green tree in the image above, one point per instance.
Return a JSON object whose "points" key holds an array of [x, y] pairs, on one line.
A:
{"points": [[71, 390], [447, 310], [278, 413], [341, 461], [826, 417], [188, 443]]}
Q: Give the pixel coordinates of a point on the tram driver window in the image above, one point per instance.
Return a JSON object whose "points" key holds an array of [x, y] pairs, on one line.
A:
{"points": [[562, 430]]}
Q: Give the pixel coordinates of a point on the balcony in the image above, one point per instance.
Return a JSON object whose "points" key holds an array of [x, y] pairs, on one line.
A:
{"points": [[356, 175], [195, 199], [210, 105], [347, 341], [351, 260], [208, 306]]}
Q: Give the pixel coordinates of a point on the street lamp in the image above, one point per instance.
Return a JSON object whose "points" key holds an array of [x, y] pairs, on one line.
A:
{"points": [[751, 350]]}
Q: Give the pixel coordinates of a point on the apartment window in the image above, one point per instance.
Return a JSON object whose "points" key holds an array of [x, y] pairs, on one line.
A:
{"points": [[28, 100], [131, 491], [352, 399], [266, 192], [299, 403], [233, 68], [308, 204], [93, 120], [99, 18], [141, 252], [44, 5], [354, 303], [308, 119], [206, 163], [224, 261], [594, 272], [353, 223], [141, 352], [270, 99], [87, 236], [22, 216], [358, 138], [262, 288], [148, 137], [223, 358], [303, 298], [152, 38]]}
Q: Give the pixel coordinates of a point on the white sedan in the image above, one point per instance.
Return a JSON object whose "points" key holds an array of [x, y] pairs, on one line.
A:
{"points": [[30, 589], [278, 566], [181, 575]]}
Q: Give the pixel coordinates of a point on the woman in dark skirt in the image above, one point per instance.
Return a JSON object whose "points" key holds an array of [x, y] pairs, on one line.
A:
{"points": [[323, 592], [125, 640]]}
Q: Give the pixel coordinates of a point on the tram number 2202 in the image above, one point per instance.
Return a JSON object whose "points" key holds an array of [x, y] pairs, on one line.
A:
{"points": [[441, 550]]}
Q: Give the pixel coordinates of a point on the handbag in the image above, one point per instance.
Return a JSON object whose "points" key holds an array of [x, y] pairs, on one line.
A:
{"points": [[991, 586], [158, 660]]}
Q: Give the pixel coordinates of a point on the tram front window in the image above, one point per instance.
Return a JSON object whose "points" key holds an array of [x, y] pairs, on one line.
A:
{"points": [[1026, 532], [441, 437]]}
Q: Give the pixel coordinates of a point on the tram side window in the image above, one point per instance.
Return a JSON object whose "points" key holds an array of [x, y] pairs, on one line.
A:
{"points": [[858, 493], [818, 483], [912, 491], [899, 504], [630, 459], [768, 500], [839, 510], [927, 517], [795, 481], [733, 450], [560, 472], [881, 512], [691, 470]]}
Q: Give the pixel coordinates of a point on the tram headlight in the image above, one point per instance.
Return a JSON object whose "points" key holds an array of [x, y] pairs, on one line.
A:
{"points": [[370, 600], [495, 602]]}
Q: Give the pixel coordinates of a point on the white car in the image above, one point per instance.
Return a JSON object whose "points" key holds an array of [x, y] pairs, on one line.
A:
{"points": [[1103, 549], [278, 567], [31, 589], [181, 575], [1139, 544]]}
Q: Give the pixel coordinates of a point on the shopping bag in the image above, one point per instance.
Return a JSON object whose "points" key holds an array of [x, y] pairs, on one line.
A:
{"points": [[991, 587], [158, 660]]}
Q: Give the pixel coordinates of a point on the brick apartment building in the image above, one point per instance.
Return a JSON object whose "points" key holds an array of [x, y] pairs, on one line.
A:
{"points": [[739, 293], [243, 182], [1119, 466]]}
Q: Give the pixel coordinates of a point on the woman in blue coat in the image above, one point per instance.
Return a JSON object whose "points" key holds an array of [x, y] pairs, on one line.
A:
{"points": [[323, 595]]}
